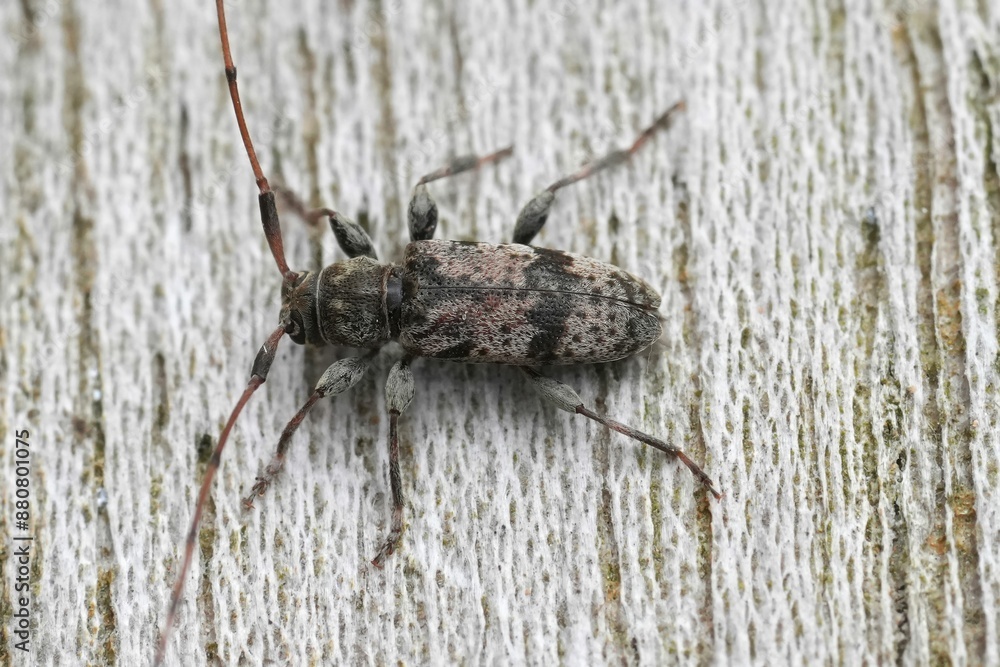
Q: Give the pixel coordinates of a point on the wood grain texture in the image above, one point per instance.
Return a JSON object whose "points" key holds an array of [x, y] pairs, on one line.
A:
{"points": [[823, 226]]}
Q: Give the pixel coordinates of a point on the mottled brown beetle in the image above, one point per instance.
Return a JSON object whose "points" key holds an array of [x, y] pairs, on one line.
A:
{"points": [[474, 302]]}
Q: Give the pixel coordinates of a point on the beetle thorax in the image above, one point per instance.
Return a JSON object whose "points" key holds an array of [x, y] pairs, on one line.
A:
{"points": [[351, 305]]}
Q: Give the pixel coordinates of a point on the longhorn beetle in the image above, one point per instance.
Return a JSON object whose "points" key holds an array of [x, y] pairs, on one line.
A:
{"points": [[509, 304]]}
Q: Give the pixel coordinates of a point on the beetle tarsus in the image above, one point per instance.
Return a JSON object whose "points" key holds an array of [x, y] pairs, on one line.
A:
{"points": [[422, 213], [563, 397], [398, 394], [534, 214]]}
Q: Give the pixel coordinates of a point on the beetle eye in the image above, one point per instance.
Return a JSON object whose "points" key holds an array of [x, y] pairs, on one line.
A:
{"points": [[295, 328]]}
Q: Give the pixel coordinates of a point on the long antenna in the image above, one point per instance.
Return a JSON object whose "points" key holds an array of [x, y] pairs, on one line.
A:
{"points": [[262, 363], [268, 210], [258, 375]]}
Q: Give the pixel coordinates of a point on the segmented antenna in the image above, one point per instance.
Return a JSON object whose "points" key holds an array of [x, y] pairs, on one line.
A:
{"points": [[258, 375], [268, 210], [265, 356]]}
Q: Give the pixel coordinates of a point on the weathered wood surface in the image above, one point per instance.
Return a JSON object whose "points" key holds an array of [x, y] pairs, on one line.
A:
{"points": [[823, 225]]}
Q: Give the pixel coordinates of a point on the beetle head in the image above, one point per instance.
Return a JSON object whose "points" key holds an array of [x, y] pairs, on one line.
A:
{"points": [[298, 308]]}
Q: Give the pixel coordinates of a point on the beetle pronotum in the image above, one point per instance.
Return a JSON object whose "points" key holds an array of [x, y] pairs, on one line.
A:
{"points": [[473, 302]]}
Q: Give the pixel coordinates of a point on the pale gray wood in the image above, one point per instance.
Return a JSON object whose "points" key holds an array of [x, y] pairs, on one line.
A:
{"points": [[823, 226]]}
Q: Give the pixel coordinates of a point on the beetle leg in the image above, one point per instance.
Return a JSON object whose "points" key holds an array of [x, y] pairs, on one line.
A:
{"points": [[338, 378], [534, 214], [422, 213], [564, 398], [398, 394], [351, 237]]}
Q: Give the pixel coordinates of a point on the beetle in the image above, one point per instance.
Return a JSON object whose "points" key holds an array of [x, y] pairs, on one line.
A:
{"points": [[512, 304]]}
